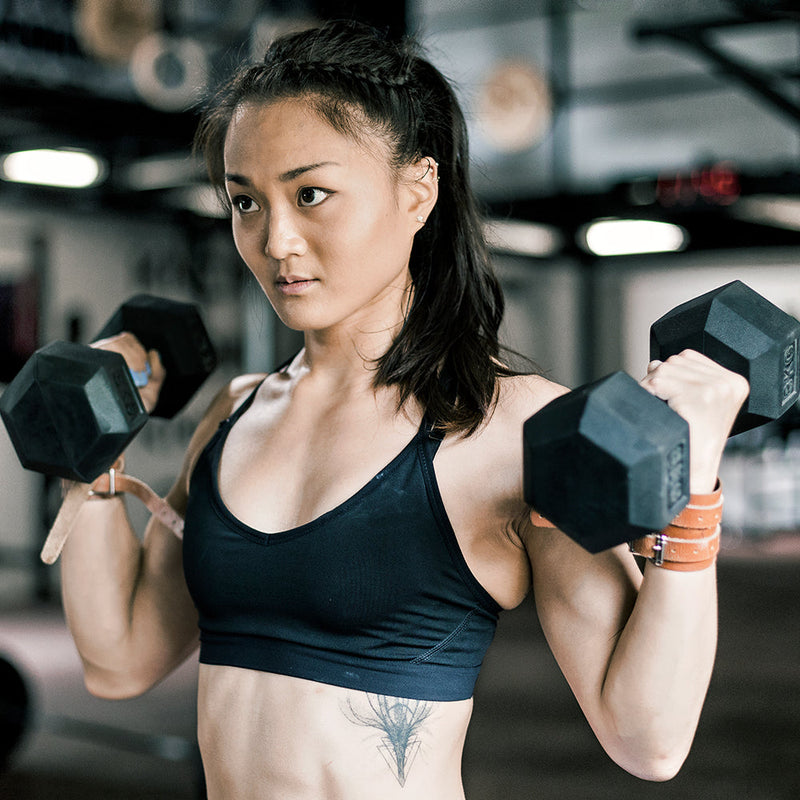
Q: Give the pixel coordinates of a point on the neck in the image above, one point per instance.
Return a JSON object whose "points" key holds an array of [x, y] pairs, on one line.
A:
{"points": [[346, 355], [344, 359]]}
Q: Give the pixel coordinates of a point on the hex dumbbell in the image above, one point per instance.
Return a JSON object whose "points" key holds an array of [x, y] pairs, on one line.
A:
{"points": [[72, 409], [744, 332], [608, 462]]}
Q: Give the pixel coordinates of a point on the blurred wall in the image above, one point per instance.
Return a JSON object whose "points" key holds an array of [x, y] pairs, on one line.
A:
{"points": [[621, 107], [633, 293]]}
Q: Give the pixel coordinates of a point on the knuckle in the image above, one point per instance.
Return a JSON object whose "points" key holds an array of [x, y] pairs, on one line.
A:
{"points": [[651, 381], [742, 383]]}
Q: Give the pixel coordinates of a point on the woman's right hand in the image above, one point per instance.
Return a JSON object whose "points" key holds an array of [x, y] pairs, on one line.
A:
{"points": [[138, 359]]}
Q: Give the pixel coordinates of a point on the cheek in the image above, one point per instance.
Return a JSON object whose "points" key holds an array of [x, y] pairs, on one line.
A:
{"points": [[238, 238], [379, 232], [246, 242]]}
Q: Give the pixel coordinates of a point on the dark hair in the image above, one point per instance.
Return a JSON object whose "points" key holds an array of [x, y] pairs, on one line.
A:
{"points": [[447, 353]]}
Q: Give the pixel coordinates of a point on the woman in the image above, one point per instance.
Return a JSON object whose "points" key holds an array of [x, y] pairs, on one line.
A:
{"points": [[355, 520]]}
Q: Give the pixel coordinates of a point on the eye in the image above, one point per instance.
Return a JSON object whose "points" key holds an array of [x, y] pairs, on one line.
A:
{"points": [[311, 196], [244, 204]]}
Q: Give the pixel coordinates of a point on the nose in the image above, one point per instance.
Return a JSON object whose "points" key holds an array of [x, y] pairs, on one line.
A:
{"points": [[284, 237]]}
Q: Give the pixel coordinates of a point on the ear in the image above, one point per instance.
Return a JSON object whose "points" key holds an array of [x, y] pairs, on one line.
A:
{"points": [[421, 190]]}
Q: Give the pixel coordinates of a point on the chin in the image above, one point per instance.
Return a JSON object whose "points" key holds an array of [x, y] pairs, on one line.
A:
{"points": [[302, 322]]}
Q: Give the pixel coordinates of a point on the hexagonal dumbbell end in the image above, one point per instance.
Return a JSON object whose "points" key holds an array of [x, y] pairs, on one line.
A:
{"points": [[71, 410], [607, 462], [176, 330], [741, 330]]}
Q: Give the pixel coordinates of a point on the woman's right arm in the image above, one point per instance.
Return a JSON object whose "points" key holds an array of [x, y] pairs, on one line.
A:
{"points": [[125, 599]]}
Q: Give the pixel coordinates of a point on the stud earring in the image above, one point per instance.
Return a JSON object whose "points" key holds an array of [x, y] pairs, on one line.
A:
{"points": [[420, 218]]}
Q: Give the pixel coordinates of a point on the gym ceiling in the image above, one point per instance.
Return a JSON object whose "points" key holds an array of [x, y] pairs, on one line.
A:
{"points": [[118, 78]]}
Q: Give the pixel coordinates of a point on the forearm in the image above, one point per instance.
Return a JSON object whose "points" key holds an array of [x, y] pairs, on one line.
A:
{"points": [[660, 669], [659, 672], [126, 603], [100, 566]]}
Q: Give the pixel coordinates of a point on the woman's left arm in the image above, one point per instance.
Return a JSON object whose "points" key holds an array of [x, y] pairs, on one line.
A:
{"points": [[638, 651]]}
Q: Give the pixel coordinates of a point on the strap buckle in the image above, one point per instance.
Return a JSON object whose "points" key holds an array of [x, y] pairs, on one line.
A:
{"points": [[112, 486], [658, 549]]}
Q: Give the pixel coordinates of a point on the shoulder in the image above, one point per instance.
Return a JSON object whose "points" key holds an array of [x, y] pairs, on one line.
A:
{"points": [[226, 401], [551, 552], [480, 478], [488, 463], [233, 394], [520, 397], [499, 437], [564, 573]]}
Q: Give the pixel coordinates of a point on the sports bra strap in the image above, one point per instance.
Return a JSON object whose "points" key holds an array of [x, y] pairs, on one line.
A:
{"points": [[248, 401], [430, 437]]}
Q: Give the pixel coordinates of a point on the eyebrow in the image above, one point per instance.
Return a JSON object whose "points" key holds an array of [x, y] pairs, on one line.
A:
{"points": [[284, 177]]}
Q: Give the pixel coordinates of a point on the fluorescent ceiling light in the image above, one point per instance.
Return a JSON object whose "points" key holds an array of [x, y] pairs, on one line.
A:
{"points": [[162, 172], [200, 199], [777, 210], [623, 237], [71, 169], [522, 238]]}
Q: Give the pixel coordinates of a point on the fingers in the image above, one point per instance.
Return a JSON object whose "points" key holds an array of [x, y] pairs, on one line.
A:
{"points": [[157, 368], [129, 347], [136, 357], [708, 396], [693, 371], [146, 367]]}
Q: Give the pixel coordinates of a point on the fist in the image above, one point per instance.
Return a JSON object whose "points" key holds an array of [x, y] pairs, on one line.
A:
{"points": [[708, 397], [140, 361]]}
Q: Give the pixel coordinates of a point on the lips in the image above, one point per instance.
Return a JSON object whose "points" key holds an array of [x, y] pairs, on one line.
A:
{"points": [[294, 284]]}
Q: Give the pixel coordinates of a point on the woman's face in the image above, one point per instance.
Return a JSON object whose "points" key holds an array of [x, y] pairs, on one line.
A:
{"points": [[321, 220]]}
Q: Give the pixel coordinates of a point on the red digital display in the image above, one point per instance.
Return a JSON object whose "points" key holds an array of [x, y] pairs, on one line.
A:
{"points": [[717, 185]]}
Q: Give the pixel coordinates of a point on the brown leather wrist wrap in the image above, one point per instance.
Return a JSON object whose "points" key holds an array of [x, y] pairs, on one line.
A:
{"points": [[691, 541], [156, 505], [107, 487]]}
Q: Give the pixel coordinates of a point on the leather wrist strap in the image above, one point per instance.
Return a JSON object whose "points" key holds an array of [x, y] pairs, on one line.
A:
{"points": [[107, 486], [156, 505], [676, 552], [691, 541], [703, 511]]}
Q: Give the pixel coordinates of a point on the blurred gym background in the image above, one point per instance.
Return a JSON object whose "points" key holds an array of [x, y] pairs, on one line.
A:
{"points": [[683, 114]]}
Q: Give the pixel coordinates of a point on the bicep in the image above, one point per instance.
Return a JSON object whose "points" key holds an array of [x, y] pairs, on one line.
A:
{"points": [[583, 601]]}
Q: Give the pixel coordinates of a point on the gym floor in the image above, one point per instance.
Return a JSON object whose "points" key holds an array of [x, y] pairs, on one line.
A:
{"points": [[528, 738]]}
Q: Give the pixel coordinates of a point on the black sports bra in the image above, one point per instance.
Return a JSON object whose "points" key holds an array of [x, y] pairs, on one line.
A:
{"points": [[374, 595]]}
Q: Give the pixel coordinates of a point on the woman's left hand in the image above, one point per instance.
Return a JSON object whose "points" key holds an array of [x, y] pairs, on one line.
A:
{"points": [[708, 397]]}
